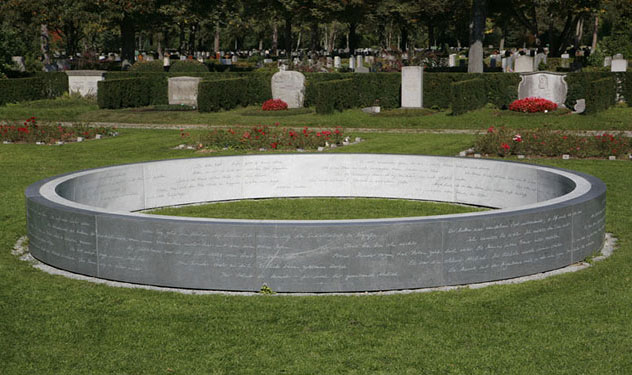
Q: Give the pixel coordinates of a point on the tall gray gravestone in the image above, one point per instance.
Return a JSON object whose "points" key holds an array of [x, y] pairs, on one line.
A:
{"points": [[289, 86], [549, 86], [184, 90], [412, 87], [337, 62]]}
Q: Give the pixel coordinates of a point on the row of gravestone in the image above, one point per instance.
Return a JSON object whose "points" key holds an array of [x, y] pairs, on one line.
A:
{"points": [[289, 86]]}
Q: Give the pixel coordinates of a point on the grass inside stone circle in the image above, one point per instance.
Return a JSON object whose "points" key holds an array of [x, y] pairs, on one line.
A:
{"points": [[316, 209]]}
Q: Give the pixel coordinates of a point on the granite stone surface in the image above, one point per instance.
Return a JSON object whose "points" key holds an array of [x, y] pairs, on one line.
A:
{"points": [[86, 222]]}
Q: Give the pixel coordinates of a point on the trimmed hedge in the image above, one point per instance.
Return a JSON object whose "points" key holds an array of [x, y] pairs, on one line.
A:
{"points": [[358, 90], [602, 95], [223, 94], [579, 86], [501, 88], [188, 66], [155, 66], [468, 95], [22, 89], [123, 93], [626, 91], [333, 95], [42, 86]]}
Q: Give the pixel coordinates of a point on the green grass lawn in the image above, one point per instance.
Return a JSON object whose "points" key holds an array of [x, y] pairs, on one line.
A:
{"points": [[578, 323], [316, 209], [80, 110]]}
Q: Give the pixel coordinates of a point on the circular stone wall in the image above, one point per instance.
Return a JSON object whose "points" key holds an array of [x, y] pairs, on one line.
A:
{"points": [[85, 222]]}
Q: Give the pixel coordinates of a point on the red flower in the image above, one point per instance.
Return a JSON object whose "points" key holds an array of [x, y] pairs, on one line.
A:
{"points": [[274, 105], [505, 146]]}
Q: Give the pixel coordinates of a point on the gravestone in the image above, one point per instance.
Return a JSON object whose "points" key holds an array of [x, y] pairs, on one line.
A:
{"points": [[18, 61], [352, 62], [268, 61], [505, 64], [619, 65], [452, 60], [539, 58], [234, 59], [412, 87], [551, 86], [337, 62], [84, 81], [289, 86], [183, 90], [618, 56], [330, 62], [580, 106], [524, 64], [565, 60], [359, 61], [607, 61]]}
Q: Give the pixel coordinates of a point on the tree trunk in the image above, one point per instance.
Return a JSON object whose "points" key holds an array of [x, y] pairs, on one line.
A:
{"points": [[44, 45], [315, 38], [404, 42], [431, 35], [288, 35], [353, 42], [216, 38], [594, 38], [579, 32], [127, 39], [477, 31], [275, 39]]}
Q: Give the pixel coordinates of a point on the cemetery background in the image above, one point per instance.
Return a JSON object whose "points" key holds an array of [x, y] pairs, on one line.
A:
{"points": [[577, 323]]}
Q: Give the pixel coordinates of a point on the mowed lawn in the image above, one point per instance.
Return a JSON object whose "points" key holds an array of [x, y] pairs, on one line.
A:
{"points": [[72, 109], [578, 323]]}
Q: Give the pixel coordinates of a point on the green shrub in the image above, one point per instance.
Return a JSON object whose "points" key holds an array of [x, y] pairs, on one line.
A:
{"points": [[223, 94], [312, 79], [468, 95], [334, 96], [579, 85], [22, 89], [55, 83], [601, 95], [155, 66], [501, 88], [188, 66], [123, 93]]}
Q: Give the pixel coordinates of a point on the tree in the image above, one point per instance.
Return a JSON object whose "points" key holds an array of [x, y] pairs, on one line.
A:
{"points": [[477, 29]]}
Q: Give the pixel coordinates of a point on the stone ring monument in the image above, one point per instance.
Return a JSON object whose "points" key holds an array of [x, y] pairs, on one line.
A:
{"points": [[86, 222]]}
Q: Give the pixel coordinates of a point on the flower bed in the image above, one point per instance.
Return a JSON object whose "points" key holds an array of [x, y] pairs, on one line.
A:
{"points": [[31, 132], [274, 105], [532, 105], [266, 137], [551, 143]]}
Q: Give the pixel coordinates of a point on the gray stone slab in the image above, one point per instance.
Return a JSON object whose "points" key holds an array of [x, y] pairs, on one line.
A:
{"points": [[289, 86], [412, 87], [523, 64], [84, 82], [551, 86], [183, 90], [549, 219], [619, 65]]}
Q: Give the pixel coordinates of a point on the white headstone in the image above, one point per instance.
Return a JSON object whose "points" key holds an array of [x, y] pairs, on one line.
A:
{"points": [[337, 62], [352, 63], [18, 61], [183, 90], [524, 64], [619, 65], [618, 56], [549, 86], [268, 61], [84, 81], [565, 61], [412, 87], [234, 58], [452, 60], [580, 106], [607, 61], [330, 62], [289, 86], [359, 61]]}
